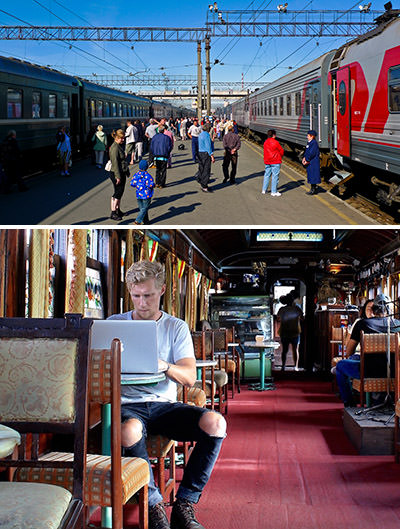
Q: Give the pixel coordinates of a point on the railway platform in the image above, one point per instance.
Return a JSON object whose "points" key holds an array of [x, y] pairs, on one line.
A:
{"points": [[84, 198]]}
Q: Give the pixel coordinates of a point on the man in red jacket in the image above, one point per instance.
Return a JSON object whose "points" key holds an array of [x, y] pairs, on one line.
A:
{"points": [[273, 153]]}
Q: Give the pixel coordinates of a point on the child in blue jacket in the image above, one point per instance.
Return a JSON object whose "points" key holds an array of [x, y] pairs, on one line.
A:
{"points": [[144, 183]]}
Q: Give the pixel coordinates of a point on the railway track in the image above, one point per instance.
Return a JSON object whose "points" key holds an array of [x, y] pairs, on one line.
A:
{"points": [[358, 201]]}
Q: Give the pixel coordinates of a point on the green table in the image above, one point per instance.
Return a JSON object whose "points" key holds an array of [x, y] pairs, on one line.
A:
{"points": [[265, 349]]}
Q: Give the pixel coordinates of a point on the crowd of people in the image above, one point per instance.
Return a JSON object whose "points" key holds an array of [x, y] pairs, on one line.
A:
{"points": [[156, 138]]}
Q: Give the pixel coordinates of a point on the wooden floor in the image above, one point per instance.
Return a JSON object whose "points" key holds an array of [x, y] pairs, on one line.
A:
{"points": [[287, 464]]}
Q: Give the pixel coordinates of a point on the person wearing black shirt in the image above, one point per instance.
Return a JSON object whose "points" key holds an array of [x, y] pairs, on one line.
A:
{"points": [[349, 368]]}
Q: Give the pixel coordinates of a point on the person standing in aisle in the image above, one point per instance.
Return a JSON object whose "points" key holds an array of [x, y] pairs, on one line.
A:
{"points": [[311, 162], [273, 153]]}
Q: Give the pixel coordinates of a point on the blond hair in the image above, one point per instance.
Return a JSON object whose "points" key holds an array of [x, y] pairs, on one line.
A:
{"points": [[118, 134], [142, 271]]}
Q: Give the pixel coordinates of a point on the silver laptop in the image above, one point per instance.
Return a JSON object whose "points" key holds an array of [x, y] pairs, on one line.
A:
{"points": [[138, 343]]}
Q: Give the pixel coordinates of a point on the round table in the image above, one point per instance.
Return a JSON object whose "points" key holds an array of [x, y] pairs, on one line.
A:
{"points": [[264, 348]]}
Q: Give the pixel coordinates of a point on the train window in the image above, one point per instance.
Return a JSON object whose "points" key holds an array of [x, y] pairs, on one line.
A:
{"points": [[265, 108], [92, 108], [125, 110], [119, 109], [36, 105], [65, 106], [275, 106], [52, 106], [281, 106], [14, 103], [114, 109], [394, 89], [342, 98], [289, 105], [99, 109], [297, 103], [270, 107], [107, 109]]}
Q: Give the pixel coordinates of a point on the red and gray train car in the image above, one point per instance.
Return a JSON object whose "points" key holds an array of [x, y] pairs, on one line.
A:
{"points": [[351, 97]]}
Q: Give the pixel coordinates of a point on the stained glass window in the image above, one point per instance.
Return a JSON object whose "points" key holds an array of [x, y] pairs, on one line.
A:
{"points": [[94, 303]]}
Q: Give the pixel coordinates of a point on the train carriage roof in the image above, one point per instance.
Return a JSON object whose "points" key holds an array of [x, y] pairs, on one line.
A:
{"points": [[106, 91], [10, 65]]}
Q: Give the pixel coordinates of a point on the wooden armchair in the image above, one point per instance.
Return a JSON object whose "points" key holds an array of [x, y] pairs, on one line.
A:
{"points": [[339, 336], [205, 379], [373, 366], [110, 481], [224, 356], [220, 375], [44, 387], [234, 346]]}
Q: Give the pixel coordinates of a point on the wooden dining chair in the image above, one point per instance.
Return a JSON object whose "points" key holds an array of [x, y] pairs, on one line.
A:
{"points": [[206, 380], [44, 387], [224, 356], [111, 480], [373, 365], [220, 375], [235, 347]]}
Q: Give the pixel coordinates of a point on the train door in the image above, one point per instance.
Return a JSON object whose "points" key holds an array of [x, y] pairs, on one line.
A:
{"points": [[343, 111], [315, 107], [74, 119]]}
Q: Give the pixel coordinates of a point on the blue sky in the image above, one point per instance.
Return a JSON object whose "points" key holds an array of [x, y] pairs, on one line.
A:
{"points": [[239, 56]]}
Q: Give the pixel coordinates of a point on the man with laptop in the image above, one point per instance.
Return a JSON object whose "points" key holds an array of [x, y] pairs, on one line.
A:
{"points": [[154, 409]]}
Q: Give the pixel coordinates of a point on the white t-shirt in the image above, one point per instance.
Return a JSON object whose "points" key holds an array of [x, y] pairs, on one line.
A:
{"points": [[151, 131], [194, 131], [174, 343]]}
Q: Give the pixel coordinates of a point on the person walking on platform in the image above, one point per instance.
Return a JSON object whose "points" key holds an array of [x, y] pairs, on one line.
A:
{"points": [[311, 162], [139, 142], [161, 147], [130, 140], [118, 173], [194, 133], [100, 139], [63, 150], [273, 152], [170, 133], [231, 143], [151, 131], [144, 183], [205, 158]]}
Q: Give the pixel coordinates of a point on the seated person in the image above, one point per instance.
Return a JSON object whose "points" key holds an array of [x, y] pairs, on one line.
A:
{"points": [[154, 410], [349, 368]]}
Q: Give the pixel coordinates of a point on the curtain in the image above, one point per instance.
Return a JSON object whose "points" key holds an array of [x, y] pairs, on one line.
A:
{"points": [[191, 300], [144, 252], [169, 282], [129, 259], [38, 299], [76, 272], [204, 298]]}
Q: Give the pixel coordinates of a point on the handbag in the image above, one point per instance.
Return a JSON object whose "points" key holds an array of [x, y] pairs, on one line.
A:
{"points": [[108, 166]]}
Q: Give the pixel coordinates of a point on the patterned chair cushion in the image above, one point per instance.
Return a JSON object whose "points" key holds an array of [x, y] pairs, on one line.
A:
{"points": [[198, 385], [220, 377], [32, 505], [48, 370], [230, 365], [158, 446], [100, 376], [373, 384], [195, 396], [135, 474]]}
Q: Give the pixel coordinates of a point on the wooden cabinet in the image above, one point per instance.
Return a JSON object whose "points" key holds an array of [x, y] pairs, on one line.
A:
{"points": [[324, 321]]}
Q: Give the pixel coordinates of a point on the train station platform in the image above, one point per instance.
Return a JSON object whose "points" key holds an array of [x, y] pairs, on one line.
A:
{"points": [[84, 198]]}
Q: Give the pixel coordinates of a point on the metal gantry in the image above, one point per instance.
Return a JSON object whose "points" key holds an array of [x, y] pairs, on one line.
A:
{"points": [[162, 80]]}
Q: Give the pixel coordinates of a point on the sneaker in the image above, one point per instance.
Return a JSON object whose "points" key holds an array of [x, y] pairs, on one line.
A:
{"points": [[158, 517], [183, 516], [263, 192], [277, 194]]}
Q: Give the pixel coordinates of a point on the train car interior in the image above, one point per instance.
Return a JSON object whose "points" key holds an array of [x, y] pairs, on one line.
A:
{"points": [[295, 454]]}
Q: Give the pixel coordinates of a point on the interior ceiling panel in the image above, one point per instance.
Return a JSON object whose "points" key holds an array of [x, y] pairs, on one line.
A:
{"points": [[237, 247]]}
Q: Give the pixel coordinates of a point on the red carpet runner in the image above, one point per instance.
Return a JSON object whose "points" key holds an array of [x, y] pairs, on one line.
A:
{"points": [[287, 464]]}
